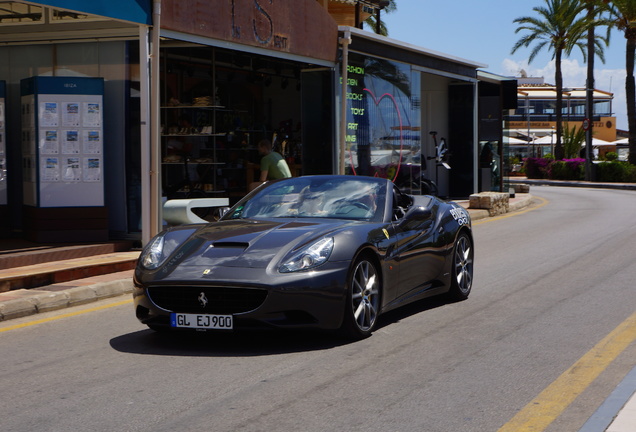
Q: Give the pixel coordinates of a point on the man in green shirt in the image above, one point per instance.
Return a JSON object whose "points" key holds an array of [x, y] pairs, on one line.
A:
{"points": [[273, 166]]}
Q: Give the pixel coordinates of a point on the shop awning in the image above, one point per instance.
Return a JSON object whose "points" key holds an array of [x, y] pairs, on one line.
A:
{"points": [[137, 11]]}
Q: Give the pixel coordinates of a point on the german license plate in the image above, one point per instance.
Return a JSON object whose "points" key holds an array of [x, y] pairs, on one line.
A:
{"points": [[202, 321]]}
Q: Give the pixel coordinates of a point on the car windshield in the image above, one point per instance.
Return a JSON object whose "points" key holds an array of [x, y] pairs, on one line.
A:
{"points": [[341, 197]]}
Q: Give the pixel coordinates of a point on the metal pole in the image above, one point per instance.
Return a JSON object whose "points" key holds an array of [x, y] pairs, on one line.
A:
{"points": [[589, 98], [144, 99], [155, 139]]}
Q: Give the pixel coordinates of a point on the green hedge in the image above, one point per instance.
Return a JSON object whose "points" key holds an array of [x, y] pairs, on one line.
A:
{"points": [[616, 172]]}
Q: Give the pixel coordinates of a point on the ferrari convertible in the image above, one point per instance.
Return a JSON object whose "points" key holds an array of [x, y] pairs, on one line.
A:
{"points": [[325, 252]]}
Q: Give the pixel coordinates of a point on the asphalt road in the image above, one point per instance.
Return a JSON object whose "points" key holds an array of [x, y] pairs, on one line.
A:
{"points": [[550, 284]]}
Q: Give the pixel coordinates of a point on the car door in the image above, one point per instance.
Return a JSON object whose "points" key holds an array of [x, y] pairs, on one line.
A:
{"points": [[419, 259]]}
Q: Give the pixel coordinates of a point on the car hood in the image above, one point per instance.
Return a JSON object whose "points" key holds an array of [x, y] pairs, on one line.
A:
{"points": [[251, 243]]}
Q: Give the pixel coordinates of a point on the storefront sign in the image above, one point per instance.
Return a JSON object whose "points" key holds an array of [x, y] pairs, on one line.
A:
{"points": [[302, 28], [604, 128]]}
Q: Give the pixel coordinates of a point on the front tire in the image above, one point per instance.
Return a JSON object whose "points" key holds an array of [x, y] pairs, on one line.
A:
{"points": [[363, 299], [462, 272]]}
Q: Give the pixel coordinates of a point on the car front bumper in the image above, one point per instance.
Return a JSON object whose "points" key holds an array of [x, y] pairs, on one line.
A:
{"points": [[311, 299]]}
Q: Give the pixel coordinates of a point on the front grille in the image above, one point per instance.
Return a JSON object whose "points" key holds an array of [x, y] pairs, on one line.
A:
{"points": [[215, 300]]}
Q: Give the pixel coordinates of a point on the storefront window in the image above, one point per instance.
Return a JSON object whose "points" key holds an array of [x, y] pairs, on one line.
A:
{"points": [[216, 106], [383, 120]]}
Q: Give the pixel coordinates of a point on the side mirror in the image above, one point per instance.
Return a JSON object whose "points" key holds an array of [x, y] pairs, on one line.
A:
{"points": [[414, 216], [223, 211]]}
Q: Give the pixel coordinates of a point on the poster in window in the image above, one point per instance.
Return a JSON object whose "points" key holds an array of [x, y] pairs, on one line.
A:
{"points": [[92, 140], [71, 114], [92, 170], [70, 143], [92, 114], [71, 169], [49, 142], [48, 114], [50, 169]]}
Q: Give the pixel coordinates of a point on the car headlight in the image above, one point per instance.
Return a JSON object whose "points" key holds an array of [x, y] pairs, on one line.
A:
{"points": [[153, 256], [161, 247], [309, 257]]}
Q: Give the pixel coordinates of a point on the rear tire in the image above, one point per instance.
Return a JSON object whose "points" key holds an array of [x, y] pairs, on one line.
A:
{"points": [[462, 272], [363, 300]]}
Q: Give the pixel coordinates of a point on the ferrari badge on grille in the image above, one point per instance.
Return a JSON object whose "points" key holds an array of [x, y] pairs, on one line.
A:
{"points": [[203, 299]]}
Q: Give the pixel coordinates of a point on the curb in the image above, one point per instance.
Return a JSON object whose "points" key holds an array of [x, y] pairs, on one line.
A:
{"points": [[520, 202], [26, 302]]}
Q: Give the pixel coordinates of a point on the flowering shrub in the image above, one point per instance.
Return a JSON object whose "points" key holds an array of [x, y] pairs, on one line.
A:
{"points": [[536, 168]]}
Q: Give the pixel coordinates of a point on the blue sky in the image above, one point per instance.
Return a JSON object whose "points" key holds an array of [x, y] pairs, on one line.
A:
{"points": [[483, 31]]}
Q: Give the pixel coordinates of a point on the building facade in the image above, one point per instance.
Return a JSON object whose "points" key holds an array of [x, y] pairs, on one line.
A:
{"points": [[184, 104], [533, 122]]}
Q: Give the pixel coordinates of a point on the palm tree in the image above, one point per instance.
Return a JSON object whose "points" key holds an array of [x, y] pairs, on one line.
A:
{"points": [[622, 15], [560, 27], [594, 10]]}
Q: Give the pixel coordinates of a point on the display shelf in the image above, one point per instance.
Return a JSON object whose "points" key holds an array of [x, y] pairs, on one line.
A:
{"points": [[195, 135], [201, 107], [206, 113]]}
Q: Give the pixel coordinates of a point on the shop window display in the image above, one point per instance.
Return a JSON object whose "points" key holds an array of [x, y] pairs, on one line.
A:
{"points": [[216, 106], [383, 120]]}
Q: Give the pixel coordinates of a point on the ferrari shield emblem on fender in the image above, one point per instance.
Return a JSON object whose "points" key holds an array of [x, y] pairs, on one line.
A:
{"points": [[206, 271], [386, 233]]}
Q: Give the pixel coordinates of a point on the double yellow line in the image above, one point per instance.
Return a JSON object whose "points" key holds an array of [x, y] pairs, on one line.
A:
{"points": [[551, 402]]}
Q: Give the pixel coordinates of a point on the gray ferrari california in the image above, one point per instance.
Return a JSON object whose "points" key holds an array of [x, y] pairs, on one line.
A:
{"points": [[326, 252]]}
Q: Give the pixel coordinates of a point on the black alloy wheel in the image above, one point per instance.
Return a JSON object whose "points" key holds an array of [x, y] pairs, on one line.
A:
{"points": [[462, 274], [363, 299]]}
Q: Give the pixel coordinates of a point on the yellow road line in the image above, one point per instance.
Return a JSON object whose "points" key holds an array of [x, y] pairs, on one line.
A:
{"points": [[516, 213], [66, 315], [551, 402]]}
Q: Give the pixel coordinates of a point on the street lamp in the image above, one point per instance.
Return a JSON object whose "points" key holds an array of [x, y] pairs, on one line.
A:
{"points": [[552, 140]]}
